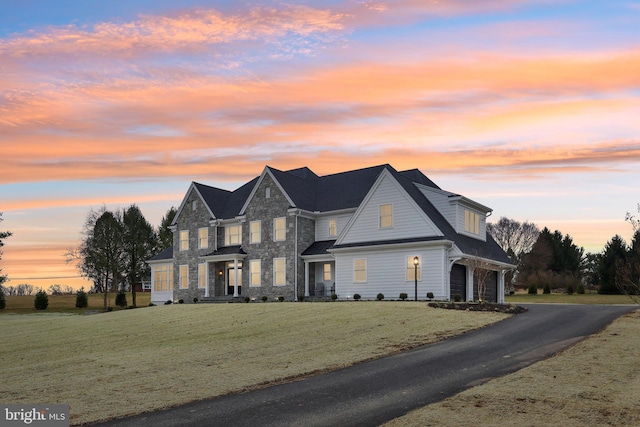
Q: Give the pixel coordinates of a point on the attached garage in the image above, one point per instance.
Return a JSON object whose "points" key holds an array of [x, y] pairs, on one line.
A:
{"points": [[458, 281], [491, 289]]}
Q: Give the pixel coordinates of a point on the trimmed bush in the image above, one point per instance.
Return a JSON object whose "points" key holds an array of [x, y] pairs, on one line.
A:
{"points": [[82, 301], [280, 298], [121, 299], [570, 290], [334, 296], [580, 289], [356, 297], [380, 296], [41, 301], [180, 301], [300, 298], [264, 298], [195, 300], [546, 289], [533, 290], [403, 296], [457, 297], [247, 299], [430, 295], [167, 302]]}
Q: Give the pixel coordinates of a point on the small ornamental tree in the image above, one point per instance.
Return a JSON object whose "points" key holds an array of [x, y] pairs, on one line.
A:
{"points": [[403, 296], [41, 301], [121, 299], [82, 301]]}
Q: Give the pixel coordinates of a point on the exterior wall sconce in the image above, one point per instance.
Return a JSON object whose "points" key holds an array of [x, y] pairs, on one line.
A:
{"points": [[220, 272]]}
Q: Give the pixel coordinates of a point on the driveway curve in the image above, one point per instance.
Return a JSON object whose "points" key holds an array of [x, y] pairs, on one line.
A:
{"points": [[374, 392]]}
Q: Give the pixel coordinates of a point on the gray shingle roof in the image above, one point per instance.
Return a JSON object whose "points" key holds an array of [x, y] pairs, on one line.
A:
{"points": [[165, 254]]}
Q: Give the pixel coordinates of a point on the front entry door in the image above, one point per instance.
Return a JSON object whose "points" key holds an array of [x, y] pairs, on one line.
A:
{"points": [[231, 280]]}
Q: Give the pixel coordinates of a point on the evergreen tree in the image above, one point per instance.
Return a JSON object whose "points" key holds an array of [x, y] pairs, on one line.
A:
{"points": [[139, 240], [614, 253], [41, 301], [82, 299], [165, 235]]}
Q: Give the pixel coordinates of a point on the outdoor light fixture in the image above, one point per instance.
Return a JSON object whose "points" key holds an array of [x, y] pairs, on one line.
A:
{"points": [[220, 272], [416, 263]]}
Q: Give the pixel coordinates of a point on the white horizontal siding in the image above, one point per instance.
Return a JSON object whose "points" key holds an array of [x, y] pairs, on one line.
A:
{"points": [[322, 226], [408, 220], [442, 203], [386, 273]]}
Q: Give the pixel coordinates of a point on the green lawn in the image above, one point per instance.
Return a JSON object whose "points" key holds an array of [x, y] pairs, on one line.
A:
{"points": [[67, 303], [562, 298]]}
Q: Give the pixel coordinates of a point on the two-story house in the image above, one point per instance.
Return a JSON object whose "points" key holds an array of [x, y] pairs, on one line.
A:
{"points": [[294, 233]]}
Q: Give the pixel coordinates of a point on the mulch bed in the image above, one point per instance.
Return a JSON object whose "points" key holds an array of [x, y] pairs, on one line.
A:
{"points": [[477, 306]]}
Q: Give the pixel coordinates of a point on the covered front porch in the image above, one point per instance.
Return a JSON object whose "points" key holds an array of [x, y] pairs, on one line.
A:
{"points": [[224, 272]]}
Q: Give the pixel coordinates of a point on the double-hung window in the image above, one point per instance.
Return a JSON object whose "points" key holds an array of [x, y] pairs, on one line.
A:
{"points": [[232, 235], [203, 238], [184, 276], [279, 229], [254, 272], [184, 240], [386, 216], [255, 232], [162, 278], [279, 272], [360, 270], [333, 227], [471, 222], [202, 275]]}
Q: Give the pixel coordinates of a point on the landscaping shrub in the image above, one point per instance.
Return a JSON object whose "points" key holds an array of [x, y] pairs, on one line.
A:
{"points": [[457, 297], [581, 289], [151, 304], [569, 289], [195, 300], [533, 290], [264, 298], [82, 301], [429, 295], [247, 299], [121, 299], [546, 289], [356, 297], [403, 296], [280, 298], [180, 301], [41, 301], [167, 302], [301, 298], [3, 301], [380, 296], [334, 296]]}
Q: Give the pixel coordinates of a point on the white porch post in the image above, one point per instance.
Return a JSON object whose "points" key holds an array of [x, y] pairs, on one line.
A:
{"points": [[235, 275], [306, 278], [501, 274], [470, 270], [206, 288]]}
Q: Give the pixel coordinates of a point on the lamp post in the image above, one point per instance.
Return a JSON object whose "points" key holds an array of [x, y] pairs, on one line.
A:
{"points": [[416, 262]]}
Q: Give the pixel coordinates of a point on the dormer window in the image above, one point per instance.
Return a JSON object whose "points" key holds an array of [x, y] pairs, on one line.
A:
{"points": [[471, 222]]}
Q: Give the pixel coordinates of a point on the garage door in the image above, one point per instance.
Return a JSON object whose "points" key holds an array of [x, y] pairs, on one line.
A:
{"points": [[491, 288], [458, 282]]}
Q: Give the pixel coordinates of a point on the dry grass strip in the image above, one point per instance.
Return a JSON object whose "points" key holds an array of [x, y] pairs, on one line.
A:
{"points": [[594, 383], [127, 362]]}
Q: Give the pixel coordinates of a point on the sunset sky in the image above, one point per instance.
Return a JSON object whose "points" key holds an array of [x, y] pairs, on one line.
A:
{"points": [[529, 107]]}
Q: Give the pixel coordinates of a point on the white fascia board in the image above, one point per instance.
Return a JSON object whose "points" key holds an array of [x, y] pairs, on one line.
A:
{"points": [[470, 203]]}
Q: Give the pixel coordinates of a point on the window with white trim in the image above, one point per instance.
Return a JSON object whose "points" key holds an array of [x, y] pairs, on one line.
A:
{"points": [[360, 270], [184, 240], [203, 238], [163, 278], [333, 227], [255, 269], [232, 235], [279, 229], [184, 276], [326, 272], [202, 275], [279, 272], [255, 232], [411, 268], [471, 222], [386, 216]]}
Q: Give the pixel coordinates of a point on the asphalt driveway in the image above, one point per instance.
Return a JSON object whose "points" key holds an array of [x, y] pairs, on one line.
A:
{"points": [[374, 392]]}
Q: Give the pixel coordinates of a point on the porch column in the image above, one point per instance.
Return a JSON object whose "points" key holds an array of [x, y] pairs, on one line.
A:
{"points": [[470, 270], [206, 288], [501, 274], [235, 275], [306, 278]]}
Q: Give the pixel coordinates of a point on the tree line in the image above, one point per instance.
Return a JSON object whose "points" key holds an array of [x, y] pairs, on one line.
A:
{"points": [[552, 259], [115, 246]]}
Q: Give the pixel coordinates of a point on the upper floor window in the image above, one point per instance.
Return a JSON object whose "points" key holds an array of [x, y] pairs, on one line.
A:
{"points": [[360, 270], [471, 222], [233, 235], [333, 227], [255, 232], [203, 238], [279, 273], [386, 216], [279, 229], [184, 240]]}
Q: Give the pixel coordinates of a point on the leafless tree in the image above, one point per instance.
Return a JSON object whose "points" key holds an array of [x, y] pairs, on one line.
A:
{"points": [[481, 273], [514, 237]]}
